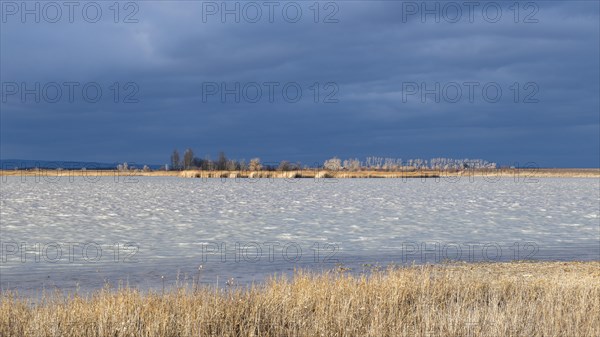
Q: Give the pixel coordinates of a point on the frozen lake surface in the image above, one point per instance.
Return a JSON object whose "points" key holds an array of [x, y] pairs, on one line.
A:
{"points": [[85, 232]]}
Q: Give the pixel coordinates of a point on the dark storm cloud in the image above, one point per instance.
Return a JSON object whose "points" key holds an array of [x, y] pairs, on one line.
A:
{"points": [[372, 55]]}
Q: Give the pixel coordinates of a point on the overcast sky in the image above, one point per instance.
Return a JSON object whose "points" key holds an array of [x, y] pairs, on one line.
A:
{"points": [[386, 81]]}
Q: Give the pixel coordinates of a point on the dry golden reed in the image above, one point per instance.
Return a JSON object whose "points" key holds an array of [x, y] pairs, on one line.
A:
{"points": [[491, 175], [503, 299]]}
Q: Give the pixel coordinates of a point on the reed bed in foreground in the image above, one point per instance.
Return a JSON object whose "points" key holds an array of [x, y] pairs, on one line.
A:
{"points": [[503, 299]]}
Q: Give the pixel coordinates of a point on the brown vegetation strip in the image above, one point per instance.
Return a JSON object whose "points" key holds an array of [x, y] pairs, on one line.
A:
{"points": [[490, 174], [504, 299]]}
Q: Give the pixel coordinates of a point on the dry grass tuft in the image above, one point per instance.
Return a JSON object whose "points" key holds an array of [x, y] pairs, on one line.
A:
{"points": [[504, 299]]}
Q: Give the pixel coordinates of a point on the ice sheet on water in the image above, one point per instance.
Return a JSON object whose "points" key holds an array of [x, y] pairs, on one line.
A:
{"points": [[349, 221]]}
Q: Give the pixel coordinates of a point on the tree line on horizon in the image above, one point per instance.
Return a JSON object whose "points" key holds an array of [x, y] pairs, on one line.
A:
{"points": [[190, 162]]}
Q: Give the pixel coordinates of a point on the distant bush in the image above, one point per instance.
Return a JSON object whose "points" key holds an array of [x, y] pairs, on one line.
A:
{"points": [[333, 164], [255, 164]]}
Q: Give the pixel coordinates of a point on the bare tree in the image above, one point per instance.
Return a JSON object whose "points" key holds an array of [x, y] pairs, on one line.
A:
{"points": [[188, 159], [208, 164], [232, 165], [222, 161], [284, 165], [175, 161], [352, 164], [243, 165]]}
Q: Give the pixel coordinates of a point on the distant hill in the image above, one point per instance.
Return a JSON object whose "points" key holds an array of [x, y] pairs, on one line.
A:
{"points": [[24, 164]]}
